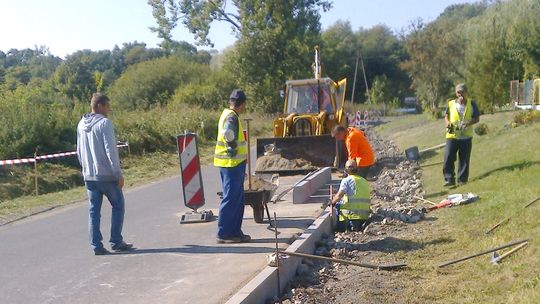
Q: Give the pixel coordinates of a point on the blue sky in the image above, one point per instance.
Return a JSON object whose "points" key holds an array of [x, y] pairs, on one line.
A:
{"points": [[69, 25]]}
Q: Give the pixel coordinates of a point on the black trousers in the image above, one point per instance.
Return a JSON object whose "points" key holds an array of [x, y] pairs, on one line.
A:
{"points": [[461, 148], [364, 171]]}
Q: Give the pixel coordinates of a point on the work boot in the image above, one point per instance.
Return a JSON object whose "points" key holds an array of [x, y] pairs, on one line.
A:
{"points": [[245, 238], [449, 183], [123, 246], [101, 251], [232, 240]]}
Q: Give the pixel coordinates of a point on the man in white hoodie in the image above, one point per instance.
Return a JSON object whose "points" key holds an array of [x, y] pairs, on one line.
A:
{"points": [[98, 155]]}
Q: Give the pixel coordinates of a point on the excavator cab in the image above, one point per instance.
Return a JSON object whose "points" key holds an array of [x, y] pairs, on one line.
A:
{"points": [[312, 107]]}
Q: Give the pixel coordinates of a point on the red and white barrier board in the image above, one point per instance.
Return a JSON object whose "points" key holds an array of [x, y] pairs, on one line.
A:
{"points": [[190, 169]]}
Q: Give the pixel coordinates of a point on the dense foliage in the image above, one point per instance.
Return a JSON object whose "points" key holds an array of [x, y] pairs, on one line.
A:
{"points": [[485, 44], [158, 92]]}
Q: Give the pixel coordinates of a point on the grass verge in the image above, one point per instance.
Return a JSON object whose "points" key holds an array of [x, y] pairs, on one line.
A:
{"points": [[137, 169], [505, 171]]}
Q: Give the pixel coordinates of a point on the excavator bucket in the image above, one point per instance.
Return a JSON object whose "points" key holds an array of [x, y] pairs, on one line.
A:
{"points": [[296, 155]]}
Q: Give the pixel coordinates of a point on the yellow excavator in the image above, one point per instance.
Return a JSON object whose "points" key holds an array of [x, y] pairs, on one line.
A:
{"points": [[312, 107]]}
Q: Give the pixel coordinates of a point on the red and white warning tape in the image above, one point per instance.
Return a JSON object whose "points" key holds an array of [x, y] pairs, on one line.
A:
{"points": [[17, 161], [48, 156]]}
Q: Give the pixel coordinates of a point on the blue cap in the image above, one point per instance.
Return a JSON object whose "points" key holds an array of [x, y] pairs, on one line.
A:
{"points": [[238, 95]]}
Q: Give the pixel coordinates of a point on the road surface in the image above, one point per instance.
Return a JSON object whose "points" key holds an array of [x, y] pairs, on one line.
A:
{"points": [[47, 259]]}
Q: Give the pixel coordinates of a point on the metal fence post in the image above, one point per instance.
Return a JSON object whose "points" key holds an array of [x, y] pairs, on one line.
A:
{"points": [[36, 172]]}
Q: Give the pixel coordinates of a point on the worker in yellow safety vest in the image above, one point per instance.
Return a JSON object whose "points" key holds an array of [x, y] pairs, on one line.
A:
{"points": [[230, 157], [460, 115], [352, 201]]}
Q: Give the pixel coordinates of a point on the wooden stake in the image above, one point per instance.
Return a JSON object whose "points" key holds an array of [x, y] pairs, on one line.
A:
{"points": [[36, 172]]}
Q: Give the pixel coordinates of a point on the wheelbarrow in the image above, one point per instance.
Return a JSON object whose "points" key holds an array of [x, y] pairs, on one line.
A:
{"points": [[258, 200]]}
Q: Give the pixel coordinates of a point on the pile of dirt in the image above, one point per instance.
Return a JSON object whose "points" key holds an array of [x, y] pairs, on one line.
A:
{"points": [[258, 183], [276, 162]]}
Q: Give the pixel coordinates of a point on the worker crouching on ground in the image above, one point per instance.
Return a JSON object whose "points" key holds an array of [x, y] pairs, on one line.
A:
{"points": [[358, 148], [230, 156], [352, 201], [460, 115]]}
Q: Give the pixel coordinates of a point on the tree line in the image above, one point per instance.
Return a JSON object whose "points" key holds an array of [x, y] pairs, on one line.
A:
{"points": [[485, 44]]}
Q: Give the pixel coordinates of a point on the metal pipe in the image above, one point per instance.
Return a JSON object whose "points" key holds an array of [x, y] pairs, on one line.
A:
{"points": [[366, 265], [277, 260], [247, 120]]}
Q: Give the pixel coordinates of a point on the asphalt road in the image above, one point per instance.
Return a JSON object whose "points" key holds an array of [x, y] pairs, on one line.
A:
{"points": [[47, 259]]}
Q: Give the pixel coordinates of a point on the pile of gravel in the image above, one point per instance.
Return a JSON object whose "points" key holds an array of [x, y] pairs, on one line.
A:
{"points": [[400, 184]]}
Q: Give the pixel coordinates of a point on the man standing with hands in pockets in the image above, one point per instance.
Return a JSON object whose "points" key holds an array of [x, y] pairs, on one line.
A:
{"points": [[98, 155]]}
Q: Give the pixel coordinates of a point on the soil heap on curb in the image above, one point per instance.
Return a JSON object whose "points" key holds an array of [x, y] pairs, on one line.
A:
{"points": [[394, 181], [276, 162]]}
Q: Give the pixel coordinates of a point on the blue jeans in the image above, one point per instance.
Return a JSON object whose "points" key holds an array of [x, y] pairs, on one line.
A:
{"points": [[96, 190], [231, 209]]}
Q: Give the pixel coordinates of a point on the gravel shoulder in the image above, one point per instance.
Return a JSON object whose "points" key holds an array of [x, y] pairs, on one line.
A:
{"points": [[396, 224]]}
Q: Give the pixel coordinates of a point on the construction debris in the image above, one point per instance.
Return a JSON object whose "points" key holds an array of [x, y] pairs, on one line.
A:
{"points": [[407, 215]]}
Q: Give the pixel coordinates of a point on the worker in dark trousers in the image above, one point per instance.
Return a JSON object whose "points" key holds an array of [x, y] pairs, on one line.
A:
{"points": [[230, 156], [460, 115]]}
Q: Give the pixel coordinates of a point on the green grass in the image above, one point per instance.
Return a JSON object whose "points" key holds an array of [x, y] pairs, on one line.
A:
{"points": [[61, 185], [505, 172]]}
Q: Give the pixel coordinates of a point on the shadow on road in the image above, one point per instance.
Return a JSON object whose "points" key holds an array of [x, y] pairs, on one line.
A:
{"points": [[198, 249]]}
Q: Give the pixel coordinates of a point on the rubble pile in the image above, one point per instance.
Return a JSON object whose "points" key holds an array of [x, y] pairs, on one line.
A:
{"points": [[383, 148], [404, 214], [394, 182], [398, 179], [400, 184]]}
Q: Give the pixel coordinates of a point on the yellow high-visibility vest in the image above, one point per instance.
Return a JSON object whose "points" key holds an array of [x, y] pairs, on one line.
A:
{"points": [[357, 206], [455, 120], [221, 158]]}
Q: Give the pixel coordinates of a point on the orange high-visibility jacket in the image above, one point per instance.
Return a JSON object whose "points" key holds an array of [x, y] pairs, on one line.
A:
{"points": [[358, 147]]}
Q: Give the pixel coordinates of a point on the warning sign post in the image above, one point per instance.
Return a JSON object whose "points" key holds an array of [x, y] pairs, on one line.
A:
{"points": [[192, 183]]}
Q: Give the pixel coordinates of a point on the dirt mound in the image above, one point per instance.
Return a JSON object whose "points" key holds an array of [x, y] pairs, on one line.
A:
{"points": [[258, 183], [277, 162]]}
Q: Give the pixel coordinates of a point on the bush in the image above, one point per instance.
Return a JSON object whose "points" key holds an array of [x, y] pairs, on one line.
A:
{"points": [[525, 117], [151, 83], [36, 118], [481, 129], [156, 130]]}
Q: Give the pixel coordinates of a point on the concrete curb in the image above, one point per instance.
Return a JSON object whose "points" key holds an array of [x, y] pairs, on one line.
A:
{"points": [[263, 286], [304, 189]]}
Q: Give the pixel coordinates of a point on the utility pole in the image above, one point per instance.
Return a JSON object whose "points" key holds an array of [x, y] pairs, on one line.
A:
{"points": [[355, 70], [365, 79]]}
